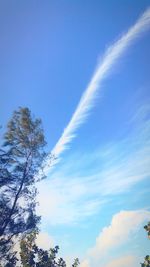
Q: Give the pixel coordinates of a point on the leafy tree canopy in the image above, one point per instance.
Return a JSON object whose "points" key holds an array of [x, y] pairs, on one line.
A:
{"points": [[33, 256], [146, 262], [21, 156]]}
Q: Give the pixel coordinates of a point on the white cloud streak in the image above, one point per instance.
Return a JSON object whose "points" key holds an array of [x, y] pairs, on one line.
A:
{"points": [[81, 190], [111, 56]]}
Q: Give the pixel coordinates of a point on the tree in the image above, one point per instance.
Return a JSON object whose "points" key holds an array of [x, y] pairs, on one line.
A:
{"points": [[146, 262], [147, 258], [147, 228], [33, 256], [27, 250], [21, 156], [76, 263]]}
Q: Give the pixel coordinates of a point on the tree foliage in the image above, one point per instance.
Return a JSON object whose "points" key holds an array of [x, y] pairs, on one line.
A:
{"points": [[147, 228], [33, 256], [21, 155], [146, 262]]}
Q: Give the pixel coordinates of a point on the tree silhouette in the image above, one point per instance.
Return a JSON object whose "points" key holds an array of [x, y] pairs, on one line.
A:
{"points": [[33, 256], [146, 262], [21, 156]]}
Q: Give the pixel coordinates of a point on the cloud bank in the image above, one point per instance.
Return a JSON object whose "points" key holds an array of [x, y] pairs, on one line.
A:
{"points": [[124, 261], [123, 228], [110, 58]]}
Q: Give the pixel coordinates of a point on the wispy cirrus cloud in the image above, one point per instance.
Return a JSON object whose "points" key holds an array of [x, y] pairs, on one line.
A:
{"points": [[80, 190], [109, 60]]}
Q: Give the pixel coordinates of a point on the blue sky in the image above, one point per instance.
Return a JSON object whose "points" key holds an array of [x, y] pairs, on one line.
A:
{"points": [[49, 51]]}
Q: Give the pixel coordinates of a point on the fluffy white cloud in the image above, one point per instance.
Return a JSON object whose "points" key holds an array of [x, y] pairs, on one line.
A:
{"points": [[123, 226], [124, 261]]}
